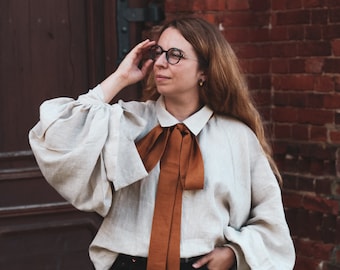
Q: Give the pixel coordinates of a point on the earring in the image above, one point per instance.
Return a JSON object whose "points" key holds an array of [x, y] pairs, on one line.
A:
{"points": [[200, 82]]}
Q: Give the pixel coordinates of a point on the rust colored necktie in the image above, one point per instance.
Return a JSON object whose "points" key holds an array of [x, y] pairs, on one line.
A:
{"points": [[181, 167]]}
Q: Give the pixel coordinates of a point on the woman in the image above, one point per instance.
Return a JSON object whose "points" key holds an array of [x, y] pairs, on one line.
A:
{"points": [[102, 158]]}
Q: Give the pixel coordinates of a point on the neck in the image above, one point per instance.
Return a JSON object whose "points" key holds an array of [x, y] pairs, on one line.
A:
{"points": [[181, 109]]}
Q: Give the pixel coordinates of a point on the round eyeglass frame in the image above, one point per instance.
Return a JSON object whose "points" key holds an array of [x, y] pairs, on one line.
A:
{"points": [[172, 56]]}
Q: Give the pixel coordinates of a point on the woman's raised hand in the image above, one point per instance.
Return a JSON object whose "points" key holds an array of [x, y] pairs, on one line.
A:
{"points": [[129, 71], [129, 68]]}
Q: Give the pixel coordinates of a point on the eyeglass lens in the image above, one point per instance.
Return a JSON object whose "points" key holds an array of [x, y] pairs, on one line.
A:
{"points": [[173, 55]]}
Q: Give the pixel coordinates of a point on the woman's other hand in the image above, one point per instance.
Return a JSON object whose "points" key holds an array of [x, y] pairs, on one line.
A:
{"points": [[221, 258]]}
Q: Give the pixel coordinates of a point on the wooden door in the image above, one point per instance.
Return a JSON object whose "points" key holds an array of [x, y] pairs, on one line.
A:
{"points": [[48, 48]]}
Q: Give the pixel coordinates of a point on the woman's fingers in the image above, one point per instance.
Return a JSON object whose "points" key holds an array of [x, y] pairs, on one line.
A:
{"points": [[202, 261], [141, 48]]}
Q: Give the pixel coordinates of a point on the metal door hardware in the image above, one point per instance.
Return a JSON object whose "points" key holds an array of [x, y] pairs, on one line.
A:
{"points": [[125, 15]]}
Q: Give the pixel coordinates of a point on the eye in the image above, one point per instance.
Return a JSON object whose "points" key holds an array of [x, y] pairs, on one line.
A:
{"points": [[155, 52], [158, 51], [175, 53]]}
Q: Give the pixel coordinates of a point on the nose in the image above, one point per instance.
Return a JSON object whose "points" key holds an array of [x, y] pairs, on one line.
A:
{"points": [[161, 60]]}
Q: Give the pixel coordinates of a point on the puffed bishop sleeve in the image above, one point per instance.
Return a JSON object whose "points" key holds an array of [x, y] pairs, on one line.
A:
{"points": [[77, 144]]}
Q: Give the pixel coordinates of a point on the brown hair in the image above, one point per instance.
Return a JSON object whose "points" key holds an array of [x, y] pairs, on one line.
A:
{"points": [[225, 90]]}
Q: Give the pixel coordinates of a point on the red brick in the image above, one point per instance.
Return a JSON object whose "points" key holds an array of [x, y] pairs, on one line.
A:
{"points": [[298, 99], [254, 82], [289, 183], [332, 3], [316, 167], [293, 82], [260, 5], [293, 4], [279, 33], [234, 35], [305, 184], [292, 199], [291, 219], [324, 83], [334, 136], [313, 249], [287, 115], [296, 32], [280, 147], [336, 189], [323, 186], [312, 3], [175, 6], [266, 81], [279, 65], [237, 4], [212, 5], [199, 5], [306, 263], [313, 32], [314, 65], [314, 225], [282, 131], [278, 5], [315, 48], [332, 65], [210, 17], [336, 80], [315, 116], [262, 97], [315, 100], [248, 51], [258, 35], [329, 167], [319, 204], [300, 132], [338, 237], [302, 217], [245, 19], [318, 151], [332, 101], [297, 66], [331, 31], [281, 98], [318, 134], [319, 16], [337, 118], [328, 228], [284, 50], [334, 15], [293, 17], [265, 113], [258, 66], [336, 47]]}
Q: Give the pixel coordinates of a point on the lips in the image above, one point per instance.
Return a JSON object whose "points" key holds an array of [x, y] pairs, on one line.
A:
{"points": [[161, 77]]}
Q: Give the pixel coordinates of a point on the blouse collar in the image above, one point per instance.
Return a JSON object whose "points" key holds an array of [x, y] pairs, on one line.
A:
{"points": [[194, 122]]}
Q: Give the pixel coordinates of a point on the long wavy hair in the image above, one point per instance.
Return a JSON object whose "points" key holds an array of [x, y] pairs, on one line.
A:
{"points": [[225, 90]]}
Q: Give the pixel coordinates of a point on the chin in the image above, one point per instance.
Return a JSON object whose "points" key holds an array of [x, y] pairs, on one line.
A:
{"points": [[164, 91]]}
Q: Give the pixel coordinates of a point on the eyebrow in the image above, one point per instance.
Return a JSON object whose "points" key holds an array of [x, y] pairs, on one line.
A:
{"points": [[185, 55]]}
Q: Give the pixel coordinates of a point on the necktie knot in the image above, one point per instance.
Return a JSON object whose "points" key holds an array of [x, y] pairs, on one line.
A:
{"points": [[182, 129]]}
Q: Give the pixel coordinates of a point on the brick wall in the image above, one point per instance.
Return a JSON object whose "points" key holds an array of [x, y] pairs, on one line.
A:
{"points": [[290, 52]]}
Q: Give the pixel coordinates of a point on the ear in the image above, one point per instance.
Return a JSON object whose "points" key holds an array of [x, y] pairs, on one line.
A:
{"points": [[202, 76]]}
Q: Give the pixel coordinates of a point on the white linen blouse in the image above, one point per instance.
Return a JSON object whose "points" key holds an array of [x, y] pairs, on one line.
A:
{"points": [[86, 150]]}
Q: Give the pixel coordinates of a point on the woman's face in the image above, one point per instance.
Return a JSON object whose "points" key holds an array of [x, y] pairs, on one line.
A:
{"points": [[179, 79]]}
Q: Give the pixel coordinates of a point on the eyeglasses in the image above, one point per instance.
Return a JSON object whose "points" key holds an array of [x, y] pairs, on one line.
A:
{"points": [[173, 55]]}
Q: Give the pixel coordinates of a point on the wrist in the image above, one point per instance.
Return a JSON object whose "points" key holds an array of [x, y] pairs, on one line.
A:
{"points": [[112, 85]]}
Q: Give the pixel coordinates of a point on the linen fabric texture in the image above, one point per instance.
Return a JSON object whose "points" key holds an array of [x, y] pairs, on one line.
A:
{"points": [[86, 150]]}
